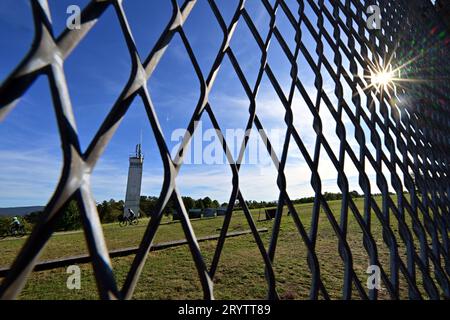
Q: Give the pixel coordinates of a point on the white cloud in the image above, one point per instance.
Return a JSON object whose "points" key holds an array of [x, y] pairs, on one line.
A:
{"points": [[27, 177]]}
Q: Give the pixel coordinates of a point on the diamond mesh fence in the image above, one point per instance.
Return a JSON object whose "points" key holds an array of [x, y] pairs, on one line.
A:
{"points": [[400, 126]]}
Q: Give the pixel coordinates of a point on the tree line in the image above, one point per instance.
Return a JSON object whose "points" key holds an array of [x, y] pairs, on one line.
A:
{"points": [[110, 210]]}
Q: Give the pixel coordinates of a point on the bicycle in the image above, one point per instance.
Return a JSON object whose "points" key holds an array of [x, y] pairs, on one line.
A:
{"points": [[13, 231], [124, 221]]}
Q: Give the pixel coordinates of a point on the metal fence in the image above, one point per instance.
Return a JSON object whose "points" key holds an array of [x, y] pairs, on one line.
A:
{"points": [[409, 137]]}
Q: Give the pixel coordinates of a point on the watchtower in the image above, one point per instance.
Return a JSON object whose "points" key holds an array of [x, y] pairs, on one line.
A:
{"points": [[133, 194]]}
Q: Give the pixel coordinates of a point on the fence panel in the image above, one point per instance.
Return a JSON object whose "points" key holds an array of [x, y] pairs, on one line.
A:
{"points": [[389, 81]]}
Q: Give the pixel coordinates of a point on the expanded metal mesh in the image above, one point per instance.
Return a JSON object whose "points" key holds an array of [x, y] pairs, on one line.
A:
{"points": [[407, 128]]}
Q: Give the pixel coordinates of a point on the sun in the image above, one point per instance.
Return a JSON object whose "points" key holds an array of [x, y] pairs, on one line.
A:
{"points": [[382, 78]]}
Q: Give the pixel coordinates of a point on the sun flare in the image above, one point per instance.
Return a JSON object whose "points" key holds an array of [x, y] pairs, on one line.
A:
{"points": [[382, 78]]}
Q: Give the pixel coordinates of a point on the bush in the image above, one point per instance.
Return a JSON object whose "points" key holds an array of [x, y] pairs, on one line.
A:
{"points": [[70, 219], [33, 217], [4, 224], [110, 210]]}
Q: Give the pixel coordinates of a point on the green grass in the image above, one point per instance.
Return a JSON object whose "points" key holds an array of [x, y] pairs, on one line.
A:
{"points": [[171, 273]]}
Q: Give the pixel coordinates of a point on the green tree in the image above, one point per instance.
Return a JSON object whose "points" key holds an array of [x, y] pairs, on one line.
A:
{"points": [[199, 204], [207, 202], [189, 203], [33, 217], [354, 194], [148, 205], [70, 218], [215, 204], [4, 224], [106, 212]]}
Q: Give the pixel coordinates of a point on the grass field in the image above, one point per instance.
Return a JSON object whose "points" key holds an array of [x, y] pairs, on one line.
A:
{"points": [[171, 273]]}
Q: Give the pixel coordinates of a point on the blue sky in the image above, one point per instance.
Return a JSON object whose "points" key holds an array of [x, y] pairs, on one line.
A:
{"points": [[97, 70]]}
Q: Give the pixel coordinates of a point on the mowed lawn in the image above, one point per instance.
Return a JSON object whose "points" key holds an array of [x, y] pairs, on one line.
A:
{"points": [[171, 273]]}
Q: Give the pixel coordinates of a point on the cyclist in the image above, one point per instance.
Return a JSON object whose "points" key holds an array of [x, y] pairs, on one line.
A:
{"points": [[15, 224], [131, 215]]}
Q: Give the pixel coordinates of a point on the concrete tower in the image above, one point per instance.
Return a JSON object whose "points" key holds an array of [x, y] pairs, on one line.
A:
{"points": [[133, 194]]}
